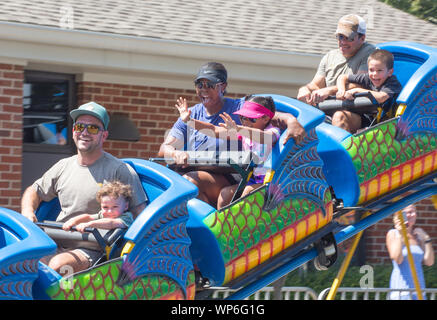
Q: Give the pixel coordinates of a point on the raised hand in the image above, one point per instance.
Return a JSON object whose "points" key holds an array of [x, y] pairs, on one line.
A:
{"points": [[182, 106], [421, 234], [229, 124]]}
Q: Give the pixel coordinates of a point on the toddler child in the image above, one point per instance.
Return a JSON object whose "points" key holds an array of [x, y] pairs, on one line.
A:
{"points": [[114, 200]]}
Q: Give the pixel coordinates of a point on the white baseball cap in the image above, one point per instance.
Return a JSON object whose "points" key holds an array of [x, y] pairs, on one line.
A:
{"points": [[351, 23]]}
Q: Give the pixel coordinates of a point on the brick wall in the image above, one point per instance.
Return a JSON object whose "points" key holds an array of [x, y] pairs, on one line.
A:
{"points": [[150, 108], [11, 109], [375, 235]]}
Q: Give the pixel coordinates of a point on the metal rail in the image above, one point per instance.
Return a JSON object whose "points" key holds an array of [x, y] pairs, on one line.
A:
{"points": [[347, 293], [287, 293]]}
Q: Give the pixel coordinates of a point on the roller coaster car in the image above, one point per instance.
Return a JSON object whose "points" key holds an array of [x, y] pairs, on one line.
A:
{"points": [[364, 102], [393, 153], [331, 173], [105, 241], [179, 238], [140, 264]]}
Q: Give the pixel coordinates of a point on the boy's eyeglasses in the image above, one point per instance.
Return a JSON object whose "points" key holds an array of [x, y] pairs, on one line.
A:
{"points": [[253, 120], [342, 37], [205, 84], [91, 128]]}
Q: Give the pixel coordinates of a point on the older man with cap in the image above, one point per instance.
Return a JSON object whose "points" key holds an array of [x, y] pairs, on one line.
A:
{"points": [[210, 84], [350, 58], [76, 180]]}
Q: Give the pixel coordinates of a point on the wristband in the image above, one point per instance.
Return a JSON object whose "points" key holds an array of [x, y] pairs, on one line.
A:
{"points": [[428, 241]]}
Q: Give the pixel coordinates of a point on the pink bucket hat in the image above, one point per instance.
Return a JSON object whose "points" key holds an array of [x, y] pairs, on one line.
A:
{"points": [[254, 110]]}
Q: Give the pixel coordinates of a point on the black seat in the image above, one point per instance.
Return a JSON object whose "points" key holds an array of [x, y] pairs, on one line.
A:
{"points": [[364, 103], [107, 241]]}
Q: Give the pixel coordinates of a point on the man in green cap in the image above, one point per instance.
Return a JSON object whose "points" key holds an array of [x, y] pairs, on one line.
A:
{"points": [[77, 179]]}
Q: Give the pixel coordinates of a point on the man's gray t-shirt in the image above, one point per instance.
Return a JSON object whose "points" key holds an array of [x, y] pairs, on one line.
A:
{"points": [[334, 64], [76, 186]]}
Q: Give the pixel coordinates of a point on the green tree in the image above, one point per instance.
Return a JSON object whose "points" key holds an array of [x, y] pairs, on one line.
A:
{"points": [[424, 9]]}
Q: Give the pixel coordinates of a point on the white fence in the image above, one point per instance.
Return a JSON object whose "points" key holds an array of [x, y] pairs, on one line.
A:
{"points": [[266, 293], [305, 293], [376, 293]]}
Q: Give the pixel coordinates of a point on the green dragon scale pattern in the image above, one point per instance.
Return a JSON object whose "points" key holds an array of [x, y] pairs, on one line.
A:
{"points": [[377, 150], [101, 284], [244, 224]]}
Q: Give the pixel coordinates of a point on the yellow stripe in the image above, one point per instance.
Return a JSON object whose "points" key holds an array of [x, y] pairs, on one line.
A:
{"points": [[269, 176], [276, 244], [372, 189], [406, 174], [384, 184], [417, 168], [400, 110], [395, 179], [240, 266], [127, 248], [428, 164]]}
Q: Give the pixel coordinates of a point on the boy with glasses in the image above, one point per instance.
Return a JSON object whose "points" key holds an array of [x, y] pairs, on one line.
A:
{"points": [[77, 179], [350, 57]]}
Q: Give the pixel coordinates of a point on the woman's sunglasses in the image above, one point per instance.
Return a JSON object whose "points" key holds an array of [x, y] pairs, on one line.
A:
{"points": [[253, 120], [91, 128], [205, 84]]}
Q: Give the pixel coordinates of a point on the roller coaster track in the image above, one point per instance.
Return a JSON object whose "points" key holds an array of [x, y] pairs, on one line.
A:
{"points": [[304, 251]]}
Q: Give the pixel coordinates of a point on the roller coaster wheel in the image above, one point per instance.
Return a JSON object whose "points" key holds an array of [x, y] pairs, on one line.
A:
{"points": [[327, 252]]}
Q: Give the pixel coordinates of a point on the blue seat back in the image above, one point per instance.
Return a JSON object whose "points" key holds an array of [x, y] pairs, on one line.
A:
{"points": [[414, 65], [48, 210], [337, 163], [204, 249], [307, 116]]}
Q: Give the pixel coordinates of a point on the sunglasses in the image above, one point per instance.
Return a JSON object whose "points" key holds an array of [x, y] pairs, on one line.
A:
{"points": [[253, 120], [205, 84], [91, 128], [342, 37]]}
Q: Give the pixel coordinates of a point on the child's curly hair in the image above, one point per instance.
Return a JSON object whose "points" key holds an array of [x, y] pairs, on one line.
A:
{"points": [[115, 189]]}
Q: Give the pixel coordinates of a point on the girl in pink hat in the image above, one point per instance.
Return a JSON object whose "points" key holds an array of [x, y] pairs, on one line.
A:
{"points": [[257, 134]]}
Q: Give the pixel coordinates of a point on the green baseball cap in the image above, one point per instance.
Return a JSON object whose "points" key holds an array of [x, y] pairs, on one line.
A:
{"points": [[92, 109]]}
